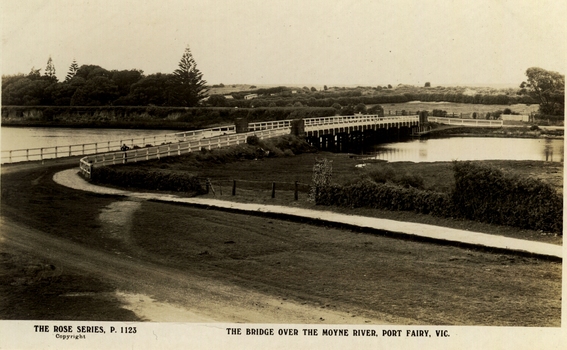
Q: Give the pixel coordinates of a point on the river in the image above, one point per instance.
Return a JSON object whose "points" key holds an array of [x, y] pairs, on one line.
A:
{"points": [[426, 150], [470, 148], [14, 138]]}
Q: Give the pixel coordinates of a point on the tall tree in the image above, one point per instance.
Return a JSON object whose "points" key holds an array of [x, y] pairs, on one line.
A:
{"points": [[190, 86], [548, 88], [72, 70], [50, 70]]}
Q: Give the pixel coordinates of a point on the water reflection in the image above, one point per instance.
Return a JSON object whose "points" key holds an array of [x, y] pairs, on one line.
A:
{"points": [[471, 148]]}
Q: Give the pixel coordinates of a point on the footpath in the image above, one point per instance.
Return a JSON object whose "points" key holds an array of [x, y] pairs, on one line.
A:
{"points": [[70, 178]]}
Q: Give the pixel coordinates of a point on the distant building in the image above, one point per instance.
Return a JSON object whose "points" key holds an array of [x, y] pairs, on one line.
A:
{"points": [[229, 97], [516, 117], [251, 96]]}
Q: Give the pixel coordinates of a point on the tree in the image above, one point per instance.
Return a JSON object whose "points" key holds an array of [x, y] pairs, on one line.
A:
{"points": [[190, 86], [50, 70], [548, 88], [360, 108], [427, 84], [217, 101], [34, 74], [72, 70], [97, 91]]}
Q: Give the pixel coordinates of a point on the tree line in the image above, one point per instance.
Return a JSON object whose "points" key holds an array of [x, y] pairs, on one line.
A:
{"points": [[92, 85]]}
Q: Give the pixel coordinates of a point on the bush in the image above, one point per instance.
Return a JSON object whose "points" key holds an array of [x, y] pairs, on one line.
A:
{"points": [[382, 175], [412, 180], [253, 140]]}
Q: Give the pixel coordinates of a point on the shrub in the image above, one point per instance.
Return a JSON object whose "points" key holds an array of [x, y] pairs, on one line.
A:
{"points": [[382, 175], [253, 140], [411, 180]]}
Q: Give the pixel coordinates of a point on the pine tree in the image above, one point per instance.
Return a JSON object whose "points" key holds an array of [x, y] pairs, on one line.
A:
{"points": [[190, 86], [50, 70], [72, 70]]}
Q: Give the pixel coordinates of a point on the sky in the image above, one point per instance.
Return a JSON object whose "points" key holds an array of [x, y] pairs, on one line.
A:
{"points": [[293, 42]]}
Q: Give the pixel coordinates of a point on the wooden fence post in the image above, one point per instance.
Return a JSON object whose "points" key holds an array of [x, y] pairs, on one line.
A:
{"points": [[234, 187], [273, 190], [296, 194]]}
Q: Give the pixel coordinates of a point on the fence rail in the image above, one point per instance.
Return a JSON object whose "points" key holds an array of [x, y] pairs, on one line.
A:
{"points": [[10, 156], [171, 149], [467, 122]]}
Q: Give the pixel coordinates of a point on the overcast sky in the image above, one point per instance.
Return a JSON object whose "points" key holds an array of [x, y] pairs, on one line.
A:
{"points": [[305, 42]]}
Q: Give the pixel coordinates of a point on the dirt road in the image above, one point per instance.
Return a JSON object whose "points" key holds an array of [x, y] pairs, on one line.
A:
{"points": [[140, 284]]}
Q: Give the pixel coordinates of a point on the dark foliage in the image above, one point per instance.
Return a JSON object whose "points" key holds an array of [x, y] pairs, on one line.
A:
{"points": [[140, 178], [487, 194], [481, 193]]}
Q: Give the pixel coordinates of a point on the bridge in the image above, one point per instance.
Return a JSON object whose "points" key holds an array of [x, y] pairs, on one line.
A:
{"points": [[314, 129], [337, 133]]}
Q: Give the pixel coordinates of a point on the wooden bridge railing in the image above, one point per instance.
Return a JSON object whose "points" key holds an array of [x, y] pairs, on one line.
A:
{"points": [[467, 122], [10, 156], [171, 149]]}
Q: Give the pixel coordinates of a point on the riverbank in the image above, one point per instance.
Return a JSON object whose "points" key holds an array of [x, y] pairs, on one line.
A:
{"points": [[507, 131], [150, 117]]}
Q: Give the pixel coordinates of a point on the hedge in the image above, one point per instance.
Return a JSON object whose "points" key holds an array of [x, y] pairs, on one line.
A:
{"points": [[486, 194], [385, 196], [139, 178], [481, 193]]}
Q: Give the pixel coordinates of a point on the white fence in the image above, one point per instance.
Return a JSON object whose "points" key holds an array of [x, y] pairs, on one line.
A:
{"points": [[10, 156], [467, 122], [172, 149]]}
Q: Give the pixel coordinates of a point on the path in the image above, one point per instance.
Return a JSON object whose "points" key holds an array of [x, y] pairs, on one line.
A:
{"points": [[71, 178]]}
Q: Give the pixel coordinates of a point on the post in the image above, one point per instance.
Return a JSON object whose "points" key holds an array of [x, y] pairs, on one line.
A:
{"points": [[234, 187], [296, 191], [273, 190]]}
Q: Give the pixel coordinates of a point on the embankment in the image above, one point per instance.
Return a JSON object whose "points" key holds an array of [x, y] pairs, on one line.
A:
{"points": [[150, 117]]}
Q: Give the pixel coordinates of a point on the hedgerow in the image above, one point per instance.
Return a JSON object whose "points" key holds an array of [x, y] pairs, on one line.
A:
{"points": [[139, 178], [481, 193], [386, 196], [486, 194]]}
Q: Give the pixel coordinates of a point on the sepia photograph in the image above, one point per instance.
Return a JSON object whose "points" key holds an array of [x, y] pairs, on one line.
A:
{"points": [[282, 174]]}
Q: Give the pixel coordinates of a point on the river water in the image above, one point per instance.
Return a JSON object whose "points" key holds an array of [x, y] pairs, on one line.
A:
{"points": [[426, 150], [470, 148], [14, 138]]}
